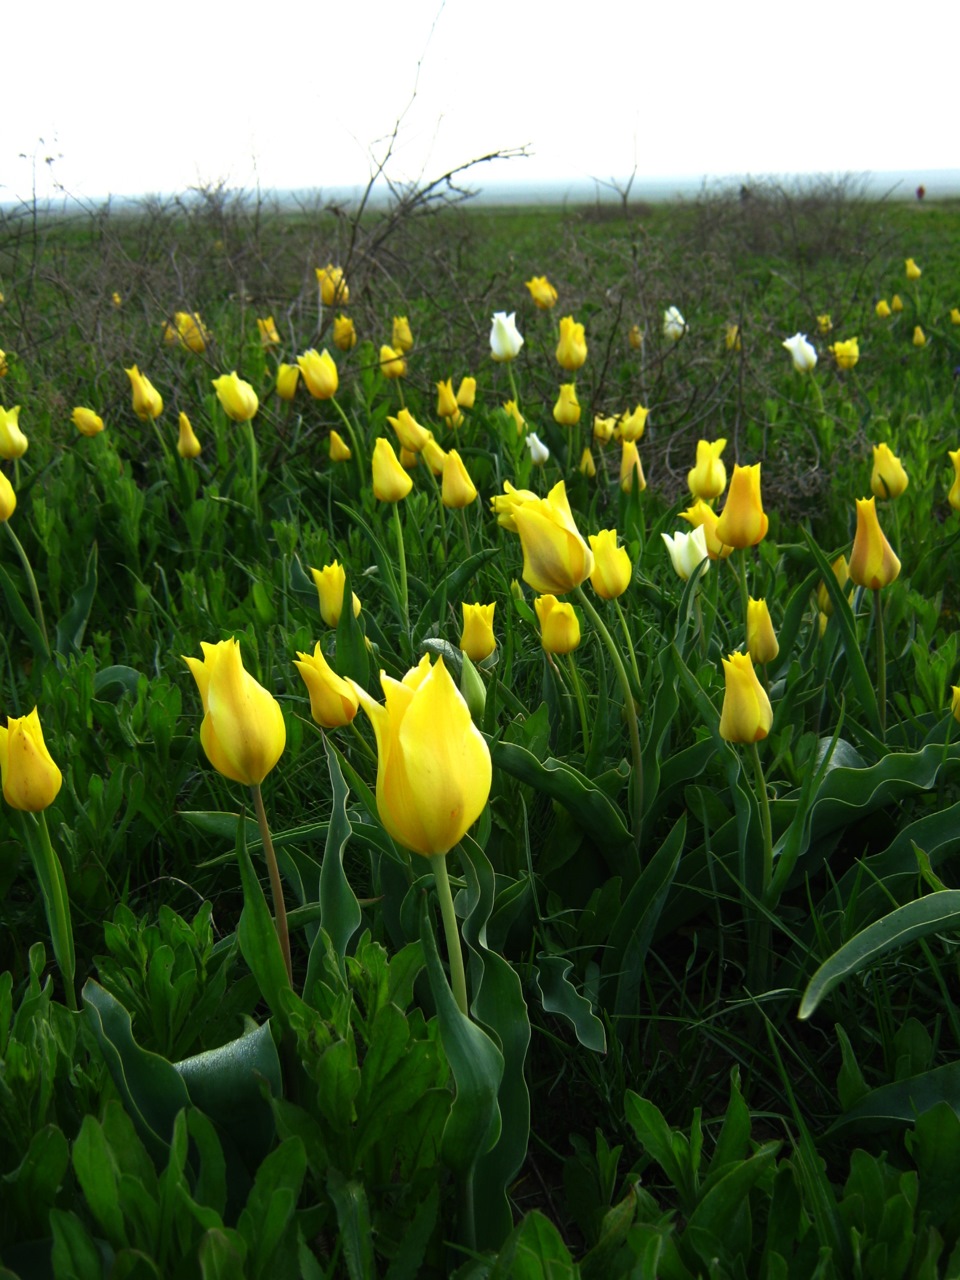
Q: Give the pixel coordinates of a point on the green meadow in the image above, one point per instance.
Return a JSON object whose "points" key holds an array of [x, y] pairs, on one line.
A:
{"points": [[479, 699]]}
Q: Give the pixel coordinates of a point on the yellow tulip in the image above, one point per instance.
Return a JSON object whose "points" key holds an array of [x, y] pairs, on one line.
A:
{"points": [[732, 338], [895, 303], [824, 324], [635, 337], [339, 449], [846, 353], [4, 366], [188, 330], [504, 505], [612, 571], [919, 337], [147, 402], [572, 347], [447, 406], [331, 582], [510, 406], [587, 465], [319, 373], [603, 428], [458, 489], [392, 363], [87, 422], [467, 392], [889, 479], [390, 482], [116, 299], [477, 639], [188, 446], [433, 455], [344, 333], [883, 309], [238, 398], [30, 778], [955, 315], [841, 571], [559, 624], [242, 733], [542, 292], [268, 332], [743, 522], [913, 272], [955, 701], [333, 702], [288, 375], [8, 498], [402, 339], [873, 562], [555, 557], [631, 469], [746, 715], [567, 409], [953, 497], [333, 287], [700, 514], [434, 771], [409, 432], [13, 443], [631, 426], [762, 643], [708, 479]]}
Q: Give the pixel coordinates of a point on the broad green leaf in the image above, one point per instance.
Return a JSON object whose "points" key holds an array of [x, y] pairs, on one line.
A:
{"points": [[898, 1105], [535, 1251], [353, 1219], [73, 624], [559, 996], [22, 616], [257, 936], [340, 912]]}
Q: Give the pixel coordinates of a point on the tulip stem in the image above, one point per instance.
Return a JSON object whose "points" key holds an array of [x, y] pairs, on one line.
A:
{"points": [[254, 470], [764, 802], [402, 563], [513, 385], [881, 665], [276, 888], [57, 904], [451, 931], [624, 626], [354, 444], [466, 531], [32, 584], [630, 707], [578, 694], [744, 593]]}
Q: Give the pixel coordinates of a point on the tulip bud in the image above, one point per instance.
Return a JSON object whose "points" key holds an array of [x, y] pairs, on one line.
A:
{"points": [[539, 453], [392, 363], [743, 522], [612, 571], [732, 337], [955, 702], [339, 449], [687, 550], [319, 373], [477, 639], [29, 776], [566, 411], [288, 375], [344, 333], [147, 402], [458, 490], [390, 482], [472, 688], [587, 465], [873, 563], [889, 479], [635, 337], [708, 479], [447, 406], [188, 446], [762, 643], [895, 303], [919, 337], [116, 300], [409, 432], [882, 309], [846, 353], [238, 398], [841, 571], [505, 339], [331, 582], [8, 499], [4, 366], [953, 497], [824, 324], [333, 702], [467, 393], [955, 315], [333, 287], [87, 422], [268, 332], [912, 270], [433, 455], [402, 339], [559, 625], [802, 352], [542, 292], [510, 406], [746, 715], [631, 469], [572, 347]]}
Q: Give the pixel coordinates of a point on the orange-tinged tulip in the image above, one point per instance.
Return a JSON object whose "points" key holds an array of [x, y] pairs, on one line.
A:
{"points": [[390, 482], [708, 479], [238, 398], [30, 778], [147, 402], [889, 479], [331, 582], [746, 715], [242, 733], [333, 702], [344, 333], [612, 571], [572, 347], [434, 770], [319, 373], [477, 639], [762, 643], [555, 557], [542, 292], [873, 563], [559, 625], [339, 449], [458, 489], [743, 522], [87, 422], [188, 446]]}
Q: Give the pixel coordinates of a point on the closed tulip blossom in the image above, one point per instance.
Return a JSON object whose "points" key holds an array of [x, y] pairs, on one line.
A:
{"points": [[882, 309], [919, 337], [846, 353], [339, 449], [319, 373], [390, 482], [542, 292], [433, 455], [87, 422], [635, 337], [8, 498], [587, 465], [701, 515], [566, 411], [631, 469], [746, 715], [955, 315], [238, 398], [802, 353], [824, 324], [572, 347], [447, 406], [467, 392], [409, 432], [841, 571], [708, 478], [333, 702], [743, 522], [268, 332], [559, 625], [953, 497], [731, 338], [687, 551], [603, 428], [674, 325], [539, 453], [457, 490], [288, 375], [147, 401], [888, 480], [433, 765], [477, 639], [631, 426], [955, 702], [555, 557], [873, 562], [913, 272], [188, 446], [896, 304], [333, 287], [392, 363], [505, 338], [188, 330], [762, 643], [30, 778], [344, 333], [612, 570], [242, 732], [510, 406], [402, 338], [331, 583]]}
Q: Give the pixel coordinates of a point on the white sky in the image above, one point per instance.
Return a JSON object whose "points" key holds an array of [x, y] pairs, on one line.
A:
{"points": [[134, 99]]}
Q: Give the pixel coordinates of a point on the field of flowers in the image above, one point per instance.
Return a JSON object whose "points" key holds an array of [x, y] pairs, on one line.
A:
{"points": [[479, 746]]}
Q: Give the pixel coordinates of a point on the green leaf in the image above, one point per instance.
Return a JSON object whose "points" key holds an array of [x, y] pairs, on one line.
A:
{"points": [[98, 1175], [340, 913], [22, 616], [897, 1105], [936, 912], [559, 996], [353, 1219], [257, 936], [352, 656], [535, 1251], [73, 624]]}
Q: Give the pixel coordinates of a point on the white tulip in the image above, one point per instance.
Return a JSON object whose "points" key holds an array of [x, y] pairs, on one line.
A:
{"points": [[687, 550], [802, 352], [505, 339], [674, 325], [539, 453]]}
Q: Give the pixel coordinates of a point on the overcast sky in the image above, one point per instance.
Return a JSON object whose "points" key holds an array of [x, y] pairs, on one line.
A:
{"points": [[131, 99]]}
